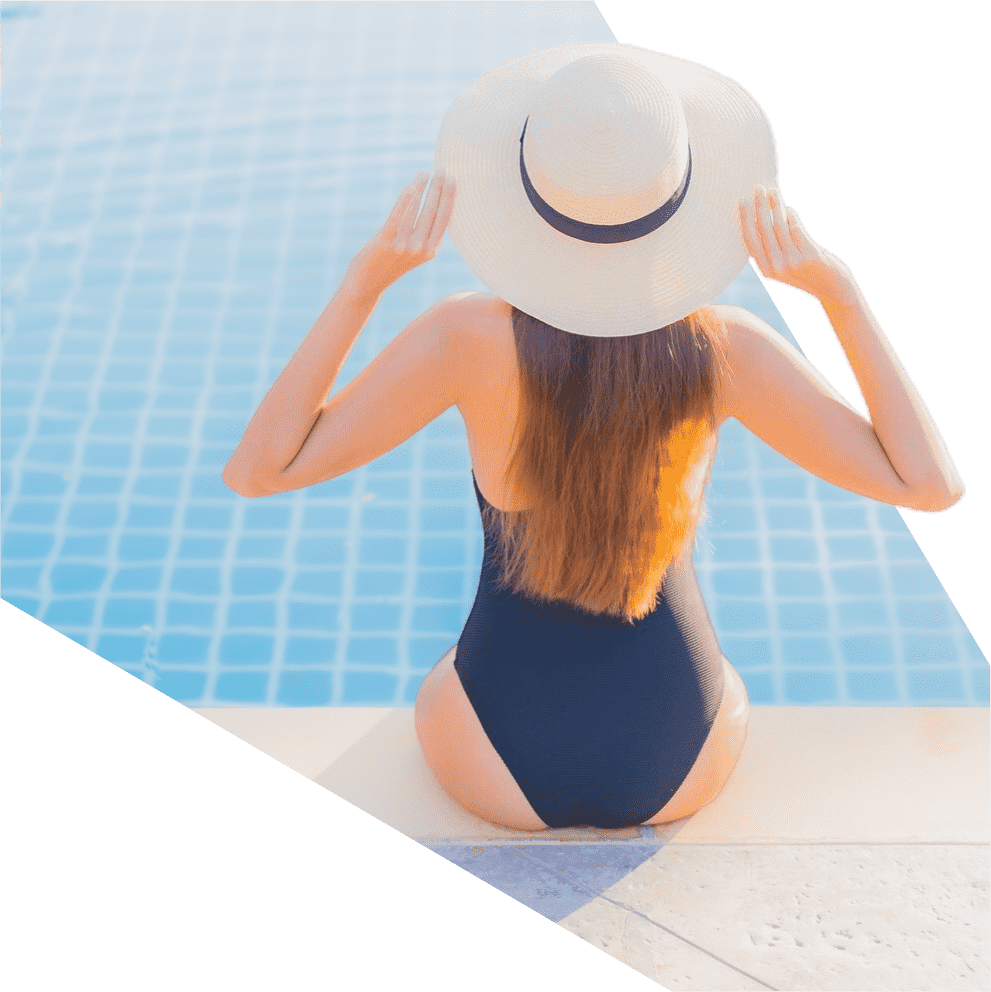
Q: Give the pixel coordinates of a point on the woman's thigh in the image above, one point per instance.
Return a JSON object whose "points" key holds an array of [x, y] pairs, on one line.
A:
{"points": [[462, 757], [719, 754]]}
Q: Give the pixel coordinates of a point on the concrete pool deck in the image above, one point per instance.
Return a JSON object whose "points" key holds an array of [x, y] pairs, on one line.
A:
{"points": [[849, 850]]}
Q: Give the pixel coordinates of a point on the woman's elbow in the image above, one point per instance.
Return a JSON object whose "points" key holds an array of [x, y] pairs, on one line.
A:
{"points": [[243, 487], [944, 502]]}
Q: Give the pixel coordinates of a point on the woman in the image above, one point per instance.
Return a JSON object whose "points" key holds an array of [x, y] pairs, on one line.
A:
{"points": [[606, 194]]}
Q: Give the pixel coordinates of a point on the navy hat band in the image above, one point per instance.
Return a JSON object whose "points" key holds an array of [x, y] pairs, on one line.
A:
{"points": [[605, 234]]}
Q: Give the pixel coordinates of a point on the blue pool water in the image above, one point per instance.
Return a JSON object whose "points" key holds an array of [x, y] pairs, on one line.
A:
{"points": [[185, 185]]}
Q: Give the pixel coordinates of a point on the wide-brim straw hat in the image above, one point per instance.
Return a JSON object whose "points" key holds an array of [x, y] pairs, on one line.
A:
{"points": [[564, 158]]}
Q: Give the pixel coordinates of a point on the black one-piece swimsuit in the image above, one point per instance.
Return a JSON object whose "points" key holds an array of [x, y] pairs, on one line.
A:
{"points": [[599, 721]]}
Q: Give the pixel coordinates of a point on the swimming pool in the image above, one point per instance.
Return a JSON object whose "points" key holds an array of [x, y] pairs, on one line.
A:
{"points": [[185, 186]]}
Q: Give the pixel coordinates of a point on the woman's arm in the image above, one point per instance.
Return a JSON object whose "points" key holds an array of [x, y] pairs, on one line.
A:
{"points": [[902, 423], [898, 456], [292, 405]]}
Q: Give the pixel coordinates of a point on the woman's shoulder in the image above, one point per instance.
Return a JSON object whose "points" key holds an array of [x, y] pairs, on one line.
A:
{"points": [[478, 304], [734, 317]]}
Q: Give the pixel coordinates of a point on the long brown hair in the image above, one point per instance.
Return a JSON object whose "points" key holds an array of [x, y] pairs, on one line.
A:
{"points": [[607, 428]]}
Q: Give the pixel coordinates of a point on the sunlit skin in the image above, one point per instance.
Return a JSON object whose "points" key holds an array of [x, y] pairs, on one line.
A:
{"points": [[895, 455]]}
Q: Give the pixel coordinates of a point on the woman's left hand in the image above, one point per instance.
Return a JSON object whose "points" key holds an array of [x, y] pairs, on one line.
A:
{"points": [[405, 240]]}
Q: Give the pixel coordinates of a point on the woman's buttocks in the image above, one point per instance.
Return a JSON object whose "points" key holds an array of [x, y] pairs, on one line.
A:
{"points": [[598, 699]]}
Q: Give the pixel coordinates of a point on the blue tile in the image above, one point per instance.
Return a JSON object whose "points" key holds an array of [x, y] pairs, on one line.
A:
{"points": [[91, 515], [368, 688], [195, 311], [878, 688], [26, 577], [120, 648], [71, 612], [107, 455], [441, 552], [100, 485], [931, 613], [794, 549], [157, 517], [252, 613], [788, 486], [914, 580], [375, 617], [857, 581], [246, 649], [980, 685], [304, 688], [142, 547], [318, 615], [851, 548], [241, 687], [931, 687], [129, 612], [182, 686], [155, 456], [147, 579], [798, 582], [810, 688], [89, 546], [735, 549], [741, 615], [438, 617], [182, 648], [733, 518], [930, 649], [203, 581], [185, 613], [261, 547], [845, 517], [310, 650], [857, 613], [25, 544], [868, 650], [738, 581], [803, 616], [363, 651], [762, 690], [382, 550], [807, 652], [440, 584], [380, 582], [247, 581], [321, 551], [33, 513], [200, 516], [200, 548], [788, 517]]}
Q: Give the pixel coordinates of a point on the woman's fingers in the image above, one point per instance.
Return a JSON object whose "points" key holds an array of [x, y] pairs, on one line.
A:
{"points": [[784, 230], [443, 216], [424, 237], [444, 212], [749, 229], [799, 235], [754, 222], [409, 203], [781, 231], [421, 232], [765, 228], [741, 210]]}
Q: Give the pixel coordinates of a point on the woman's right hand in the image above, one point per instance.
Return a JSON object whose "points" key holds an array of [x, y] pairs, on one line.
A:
{"points": [[782, 249]]}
